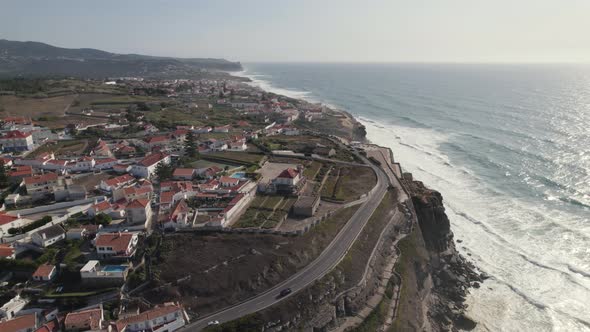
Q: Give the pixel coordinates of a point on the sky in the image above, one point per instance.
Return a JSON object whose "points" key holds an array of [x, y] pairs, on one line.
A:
{"points": [[312, 30]]}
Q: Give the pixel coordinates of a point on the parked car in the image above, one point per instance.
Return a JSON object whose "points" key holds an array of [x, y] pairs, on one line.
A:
{"points": [[213, 322]]}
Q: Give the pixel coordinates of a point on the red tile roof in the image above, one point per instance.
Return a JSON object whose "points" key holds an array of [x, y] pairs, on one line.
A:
{"points": [[90, 319], [139, 203], [44, 270], [149, 315], [19, 323], [156, 139], [181, 207], [289, 173], [166, 197], [41, 178], [6, 218], [51, 326], [183, 172], [229, 179], [102, 206], [119, 180], [153, 158], [6, 250], [15, 134], [118, 241]]}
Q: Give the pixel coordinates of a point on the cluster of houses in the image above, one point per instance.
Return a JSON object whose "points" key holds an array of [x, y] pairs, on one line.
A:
{"points": [[131, 198]]}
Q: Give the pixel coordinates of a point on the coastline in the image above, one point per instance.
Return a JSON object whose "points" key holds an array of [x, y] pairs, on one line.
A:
{"points": [[452, 275]]}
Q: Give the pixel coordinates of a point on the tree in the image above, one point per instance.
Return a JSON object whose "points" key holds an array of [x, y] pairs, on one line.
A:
{"points": [[164, 171], [3, 176], [190, 146], [102, 219]]}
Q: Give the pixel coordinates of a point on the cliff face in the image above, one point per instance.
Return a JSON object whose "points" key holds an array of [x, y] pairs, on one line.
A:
{"points": [[451, 274]]}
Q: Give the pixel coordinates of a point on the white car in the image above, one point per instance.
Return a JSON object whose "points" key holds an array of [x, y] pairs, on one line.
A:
{"points": [[213, 322]]}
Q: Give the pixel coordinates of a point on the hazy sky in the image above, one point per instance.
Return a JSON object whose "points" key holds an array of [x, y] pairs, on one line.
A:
{"points": [[313, 30]]}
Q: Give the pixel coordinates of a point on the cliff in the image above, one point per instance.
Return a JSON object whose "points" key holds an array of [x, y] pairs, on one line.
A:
{"points": [[447, 273]]}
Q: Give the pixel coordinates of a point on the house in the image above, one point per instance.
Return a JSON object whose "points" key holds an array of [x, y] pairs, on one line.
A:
{"points": [[116, 182], [25, 323], [228, 181], [18, 173], [13, 307], [98, 208], [120, 245], [179, 216], [105, 163], [238, 144], [130, 193], [45, 272], [84, 164], [138, 211], [169, 317], [180, 135], [166, 198], [92, 272], [306, 206], [147, 166], [7, 251], [8, 221], [222, 129], [121, 168], [209, 172], [85, 320], [41, 184], [59, 165], [48, 236], [102, 149], [288, 177], [50, 326], [202, 130], [76, 233], [155, 141], [15, 140], [183, 173]]}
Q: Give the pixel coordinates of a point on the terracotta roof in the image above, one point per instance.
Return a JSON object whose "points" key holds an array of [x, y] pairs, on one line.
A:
{"points": [[139, 203], [289, 173], [229, 179], [104, 205], [149, 315], [15, 134], [118, 241], [119, 180], [181, 207], [6, 250], [41, 178], [183, 172], [153, 158], [19, 323], [44, 271], [6, 218], [166, 197], [104, 160], [87, 318], [51, 326]]}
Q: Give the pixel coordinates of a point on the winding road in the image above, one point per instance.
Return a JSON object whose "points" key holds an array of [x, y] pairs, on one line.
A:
{"points": [[323, 264]]}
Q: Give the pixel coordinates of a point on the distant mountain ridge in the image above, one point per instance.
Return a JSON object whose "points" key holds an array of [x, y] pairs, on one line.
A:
{"points": [[39, 59]]}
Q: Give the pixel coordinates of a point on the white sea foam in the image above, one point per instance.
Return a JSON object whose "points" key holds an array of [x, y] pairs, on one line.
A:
{"points": [[507, 239]]}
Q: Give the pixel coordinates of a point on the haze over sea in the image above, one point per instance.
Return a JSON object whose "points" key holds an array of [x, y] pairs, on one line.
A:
{"points": [[508, 146]]}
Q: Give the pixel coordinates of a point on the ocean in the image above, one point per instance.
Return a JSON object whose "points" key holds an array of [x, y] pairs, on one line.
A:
{"points": [[508, 146]]}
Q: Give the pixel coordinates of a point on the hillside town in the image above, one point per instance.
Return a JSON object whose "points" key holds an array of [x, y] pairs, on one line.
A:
{"points": [[87, 203]]}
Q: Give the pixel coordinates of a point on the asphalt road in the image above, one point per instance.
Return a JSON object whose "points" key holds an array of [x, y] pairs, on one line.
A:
{"points": [[323, 264]]}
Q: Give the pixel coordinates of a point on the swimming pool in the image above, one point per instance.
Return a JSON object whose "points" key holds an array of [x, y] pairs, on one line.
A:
{"points": [[239, 175], [114, 268]]}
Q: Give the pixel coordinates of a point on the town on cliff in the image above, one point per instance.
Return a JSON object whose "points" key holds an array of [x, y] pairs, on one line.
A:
{"points": [[133, 204]]}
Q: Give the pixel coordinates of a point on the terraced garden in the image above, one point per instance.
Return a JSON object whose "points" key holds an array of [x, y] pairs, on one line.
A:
{"points": [[265, 212]]}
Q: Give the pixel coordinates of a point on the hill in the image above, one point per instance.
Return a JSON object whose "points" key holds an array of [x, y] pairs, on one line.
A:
{"points": [[39, 59]]}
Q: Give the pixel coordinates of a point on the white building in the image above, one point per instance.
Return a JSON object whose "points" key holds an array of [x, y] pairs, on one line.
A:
{"points": [[48, 236], [120, 245], [147, 166], [16, 141]]}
